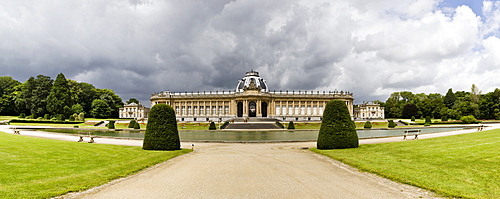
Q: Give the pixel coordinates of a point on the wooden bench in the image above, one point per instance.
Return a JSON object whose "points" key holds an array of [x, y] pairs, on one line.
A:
{"points": [[411, 132], [86, 134]]}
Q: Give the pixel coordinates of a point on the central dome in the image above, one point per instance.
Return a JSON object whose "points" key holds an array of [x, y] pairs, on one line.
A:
{"points": [[252, 81]]}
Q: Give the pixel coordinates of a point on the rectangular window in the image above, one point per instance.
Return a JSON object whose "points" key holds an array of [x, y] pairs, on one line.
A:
{"points": [[315, 110], [296, 110], [290, 110], [214, 110], [220, 110], [226, 110], [284, 110], [190, 111], [321, 110], [207, 110], [183, 108], [308, 109], [277, 110], [202, 110], [195, 109], [177, 110], [302, 109]]}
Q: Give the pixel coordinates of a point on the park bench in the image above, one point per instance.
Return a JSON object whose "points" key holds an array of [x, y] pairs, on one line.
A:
{"points": [[411, 132], [86, 134], [16, 131]]}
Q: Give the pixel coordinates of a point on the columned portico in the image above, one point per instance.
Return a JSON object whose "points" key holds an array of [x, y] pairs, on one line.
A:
{"points": [[251, 98]]}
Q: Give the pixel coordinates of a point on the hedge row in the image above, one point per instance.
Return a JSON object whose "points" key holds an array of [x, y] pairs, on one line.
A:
{"points": [[45, 121]]}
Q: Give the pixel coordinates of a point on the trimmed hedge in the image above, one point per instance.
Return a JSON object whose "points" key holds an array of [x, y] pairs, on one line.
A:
{"points": [[131, 124], [111, 124], [224, 125], [44, 121], [161, 131], [392, 124], [291, 125], [212, 126], [279, 125], [337, 130], [368, 125]]}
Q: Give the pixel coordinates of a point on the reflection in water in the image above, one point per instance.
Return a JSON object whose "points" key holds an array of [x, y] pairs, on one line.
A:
{"points": [[281, 135]]}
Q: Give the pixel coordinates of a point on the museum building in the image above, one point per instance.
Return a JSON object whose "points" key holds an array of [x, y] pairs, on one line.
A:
{"points": [[251, 98]]}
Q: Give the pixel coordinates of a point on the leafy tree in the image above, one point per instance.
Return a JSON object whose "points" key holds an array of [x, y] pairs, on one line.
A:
{"points": [[212, 126], [87, 94], [133, 100], [291, 125], [33, 95], [409, 110], [337, 130], [7, 95], [100, 109], [59, 100], [77, 108], [450, 98], [368, 125], [113, 100], [161, 131]]}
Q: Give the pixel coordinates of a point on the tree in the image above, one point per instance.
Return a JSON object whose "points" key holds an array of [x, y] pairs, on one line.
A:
{"points": [[450, 98], [7, 95], [291, 125], [161, 131], [33, 95], [337, 130], [132, 100], [468, 119], [100, 109], [59, 100], [87, 94], [113, 100], [409, 110], [77, 108]]}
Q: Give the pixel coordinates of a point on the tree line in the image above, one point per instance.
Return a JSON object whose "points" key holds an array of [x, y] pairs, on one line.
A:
{"points": [[41, 96], [452, 105]]}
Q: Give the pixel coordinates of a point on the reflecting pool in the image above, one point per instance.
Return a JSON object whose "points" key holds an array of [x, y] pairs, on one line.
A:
{"points": [[251, 136]]}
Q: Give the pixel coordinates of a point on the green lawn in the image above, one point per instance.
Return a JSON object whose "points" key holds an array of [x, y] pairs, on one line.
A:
{"points": [[42, 168], [464, 166]]}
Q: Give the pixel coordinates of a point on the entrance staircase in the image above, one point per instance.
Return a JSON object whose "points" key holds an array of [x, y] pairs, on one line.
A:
{"points": [[253, 123]]}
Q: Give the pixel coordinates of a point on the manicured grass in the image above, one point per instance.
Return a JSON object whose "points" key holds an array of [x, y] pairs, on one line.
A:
{"points": [[464, 166], [42, 168], [361, 125]]}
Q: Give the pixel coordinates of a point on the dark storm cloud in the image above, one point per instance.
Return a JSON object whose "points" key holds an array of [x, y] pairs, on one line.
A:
{"points": [[139, 47]]}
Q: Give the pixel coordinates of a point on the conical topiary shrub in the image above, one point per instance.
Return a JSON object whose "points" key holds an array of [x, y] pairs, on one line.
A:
{"points": [[111, 124], [391, 124], [137, 125], [337, 130], [212, 126], [368, 125], [131, 124], [161, 131], [291, 125]]}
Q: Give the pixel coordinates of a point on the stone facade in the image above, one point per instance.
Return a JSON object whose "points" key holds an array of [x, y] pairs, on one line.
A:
{"points": [[251, 98], [135, 111], [369, 110]]}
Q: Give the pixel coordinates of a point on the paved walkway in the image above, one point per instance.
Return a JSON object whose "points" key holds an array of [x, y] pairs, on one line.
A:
{"points": [[266, 170]]}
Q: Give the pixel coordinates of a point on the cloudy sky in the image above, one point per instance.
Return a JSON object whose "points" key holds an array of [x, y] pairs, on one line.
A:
{"points": [[369, 47]]}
